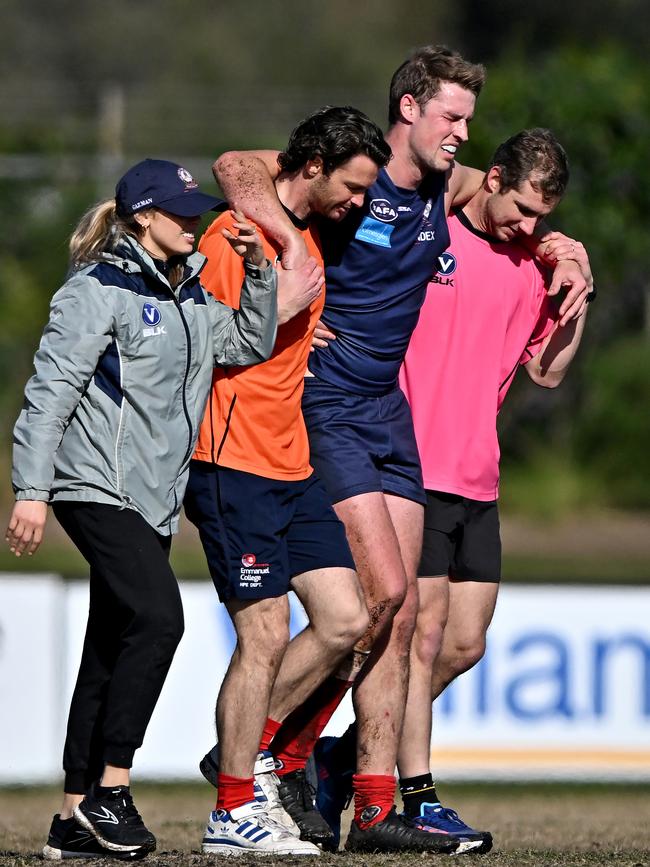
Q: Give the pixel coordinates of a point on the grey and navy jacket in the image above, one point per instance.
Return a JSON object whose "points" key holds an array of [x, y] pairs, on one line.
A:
{"points": [[123, 373]]}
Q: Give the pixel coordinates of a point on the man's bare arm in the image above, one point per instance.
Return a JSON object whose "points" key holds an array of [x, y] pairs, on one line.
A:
{"points": [[462, 183], [247, 180], [550, 365]]}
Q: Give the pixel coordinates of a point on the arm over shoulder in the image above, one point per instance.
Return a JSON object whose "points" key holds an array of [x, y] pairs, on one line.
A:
{"points": [[247, 180], [462, 183]]}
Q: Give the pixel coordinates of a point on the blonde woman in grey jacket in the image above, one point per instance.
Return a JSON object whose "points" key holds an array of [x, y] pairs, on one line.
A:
{"points": [[106, 433]]}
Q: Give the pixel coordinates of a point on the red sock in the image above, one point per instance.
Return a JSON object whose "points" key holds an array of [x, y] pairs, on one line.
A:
{"points": [[374, 795], [234, 791], [270, 730], [295, 741]]}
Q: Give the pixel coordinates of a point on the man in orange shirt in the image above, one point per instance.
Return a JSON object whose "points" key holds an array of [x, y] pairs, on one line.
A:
{"points": [[265, 521]]}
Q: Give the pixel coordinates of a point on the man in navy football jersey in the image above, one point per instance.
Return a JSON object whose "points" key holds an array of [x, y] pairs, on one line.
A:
{"points": [[378, 262]]}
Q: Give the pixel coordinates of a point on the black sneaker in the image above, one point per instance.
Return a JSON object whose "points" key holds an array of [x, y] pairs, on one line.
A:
{"points": [[111, 817], [67, 839], [209, 766], [299, 800], [396, 833]]}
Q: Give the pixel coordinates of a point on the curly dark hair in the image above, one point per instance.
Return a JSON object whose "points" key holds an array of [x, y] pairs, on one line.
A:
{"points": [[335, 134]]}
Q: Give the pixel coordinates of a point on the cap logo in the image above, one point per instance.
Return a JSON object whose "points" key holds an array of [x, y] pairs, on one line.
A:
{"points": [[141, 204], [188, 180]]}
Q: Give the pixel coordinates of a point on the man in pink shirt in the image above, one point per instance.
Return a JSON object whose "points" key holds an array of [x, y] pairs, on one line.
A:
{"points": [[486, 313]]}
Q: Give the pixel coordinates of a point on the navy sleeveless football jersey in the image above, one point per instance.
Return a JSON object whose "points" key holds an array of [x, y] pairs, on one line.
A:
{"points": [[378, 262]]}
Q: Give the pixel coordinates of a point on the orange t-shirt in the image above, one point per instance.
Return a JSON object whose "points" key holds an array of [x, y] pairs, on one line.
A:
{"points": [[253, 420]]}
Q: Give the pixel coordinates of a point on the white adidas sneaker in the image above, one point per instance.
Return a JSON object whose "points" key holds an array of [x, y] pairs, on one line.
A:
{"points": [[266, 790], [265, 786], [249, 830]]}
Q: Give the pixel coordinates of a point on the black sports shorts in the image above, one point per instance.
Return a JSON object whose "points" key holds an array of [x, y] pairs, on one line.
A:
{"points": [[461, 538]]}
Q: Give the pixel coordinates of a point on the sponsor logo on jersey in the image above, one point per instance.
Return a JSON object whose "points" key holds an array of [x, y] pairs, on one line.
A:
{"points": [[427, 235], [374, 232], [382, 210], [427, 209], [150, 314], [446, 264]]}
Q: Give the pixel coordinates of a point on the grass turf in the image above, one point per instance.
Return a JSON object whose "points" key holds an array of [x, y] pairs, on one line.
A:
{"points": [[533, 825]]}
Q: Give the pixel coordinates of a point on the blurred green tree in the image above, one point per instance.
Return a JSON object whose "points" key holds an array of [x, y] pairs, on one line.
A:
{"points": [[195, 79], [612, 431]]}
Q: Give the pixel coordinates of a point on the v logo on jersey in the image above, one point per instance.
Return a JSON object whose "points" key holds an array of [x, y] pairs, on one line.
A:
{"points": [[106, 816], [446, 263]]}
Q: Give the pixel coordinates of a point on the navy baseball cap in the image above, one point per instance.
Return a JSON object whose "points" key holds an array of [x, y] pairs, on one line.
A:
{"points": [[165, 185]]}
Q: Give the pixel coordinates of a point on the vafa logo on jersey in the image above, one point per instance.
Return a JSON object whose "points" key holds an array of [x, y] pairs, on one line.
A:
{"points": [[381, 209], [151, 317]]}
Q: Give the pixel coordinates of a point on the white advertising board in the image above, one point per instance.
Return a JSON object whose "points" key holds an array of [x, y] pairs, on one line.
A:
{"points": [[563, 691], [32, 630]]}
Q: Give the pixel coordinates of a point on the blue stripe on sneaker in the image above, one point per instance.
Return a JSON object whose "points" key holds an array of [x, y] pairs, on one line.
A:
{"points": [[254, 831], [234, 843], [228, 841]]}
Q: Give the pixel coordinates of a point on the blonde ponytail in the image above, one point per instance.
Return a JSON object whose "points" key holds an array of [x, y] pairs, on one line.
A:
{"points": [[98, 231]]}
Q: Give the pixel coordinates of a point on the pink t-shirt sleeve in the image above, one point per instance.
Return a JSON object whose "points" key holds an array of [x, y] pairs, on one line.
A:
{"points": [[548, 315]]}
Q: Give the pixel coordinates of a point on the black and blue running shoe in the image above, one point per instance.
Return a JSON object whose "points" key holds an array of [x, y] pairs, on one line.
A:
{"points": [[435, 817]]}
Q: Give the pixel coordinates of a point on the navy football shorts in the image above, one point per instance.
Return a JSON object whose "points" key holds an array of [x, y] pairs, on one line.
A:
{"points": [[361, 444], [258, 533], [461, 538]]}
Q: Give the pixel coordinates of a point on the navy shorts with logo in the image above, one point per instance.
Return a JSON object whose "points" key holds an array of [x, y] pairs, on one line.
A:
{"points": [[258, 533], [461, 538], [361, 444]]}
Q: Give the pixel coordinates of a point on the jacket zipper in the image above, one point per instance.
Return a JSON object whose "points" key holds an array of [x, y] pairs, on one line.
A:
{"points": [[188, 338]]}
